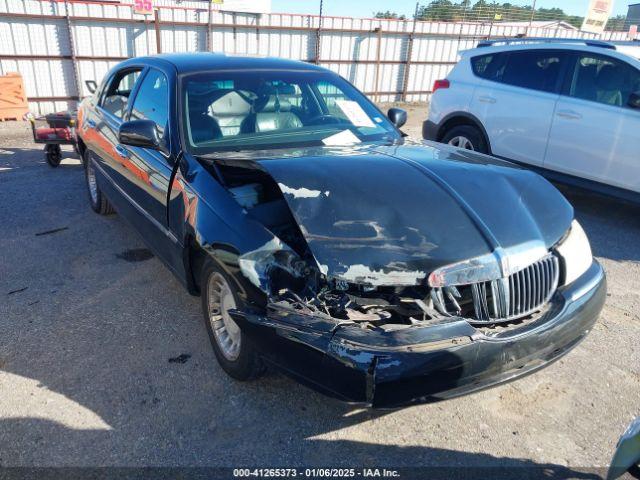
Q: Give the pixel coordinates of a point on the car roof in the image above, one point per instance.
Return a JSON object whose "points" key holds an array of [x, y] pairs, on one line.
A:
{"points": [[621, 50], [205, 61]]}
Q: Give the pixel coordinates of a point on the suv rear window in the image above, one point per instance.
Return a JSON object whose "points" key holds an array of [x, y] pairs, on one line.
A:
{"points": [[489, 67]]}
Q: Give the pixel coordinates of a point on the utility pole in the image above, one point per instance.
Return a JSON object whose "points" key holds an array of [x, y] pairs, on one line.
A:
{"points": [[318, 35], [533, 13]]}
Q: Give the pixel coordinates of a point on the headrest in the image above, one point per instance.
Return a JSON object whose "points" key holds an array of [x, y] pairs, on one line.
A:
{"points": [[272, 103], [286, 89], [198, 104], [610, 78], [231, 103]]}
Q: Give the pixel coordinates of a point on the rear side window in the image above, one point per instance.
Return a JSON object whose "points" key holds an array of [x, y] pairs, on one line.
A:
{"points": [[489, 67], [116, 97], [536, 70]]}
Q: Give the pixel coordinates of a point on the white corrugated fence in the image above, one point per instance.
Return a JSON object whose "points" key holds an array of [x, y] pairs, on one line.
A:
{"points": [[56, 45]]}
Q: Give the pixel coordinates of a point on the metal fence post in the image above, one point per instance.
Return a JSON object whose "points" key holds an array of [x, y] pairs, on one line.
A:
{"points": [[209, 36], [407, 65], [156, 13], [376, 87], [72, 50]]}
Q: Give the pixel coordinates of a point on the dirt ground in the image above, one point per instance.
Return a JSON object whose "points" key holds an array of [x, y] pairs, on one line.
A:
{"points": [[104, 359]]}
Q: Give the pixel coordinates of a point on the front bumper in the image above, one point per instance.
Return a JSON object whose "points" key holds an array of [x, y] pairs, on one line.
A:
{"points": [[423, 363]]}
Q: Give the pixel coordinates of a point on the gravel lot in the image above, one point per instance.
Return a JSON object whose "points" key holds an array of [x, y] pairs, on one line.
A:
{"points": [[88, 333]]}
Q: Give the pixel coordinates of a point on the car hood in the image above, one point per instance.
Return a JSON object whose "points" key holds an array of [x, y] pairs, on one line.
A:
{"points": [[390, 215]]}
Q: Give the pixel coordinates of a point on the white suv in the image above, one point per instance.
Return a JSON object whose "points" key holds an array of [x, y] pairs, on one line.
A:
{"points": [[568, 108]]}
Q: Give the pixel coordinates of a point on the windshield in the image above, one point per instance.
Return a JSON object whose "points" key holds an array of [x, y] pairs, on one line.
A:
{"points": [[242, 110]]}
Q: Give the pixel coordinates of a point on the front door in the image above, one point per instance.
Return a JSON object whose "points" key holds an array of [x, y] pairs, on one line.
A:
{"points": [[595, 132], [148, 174]]}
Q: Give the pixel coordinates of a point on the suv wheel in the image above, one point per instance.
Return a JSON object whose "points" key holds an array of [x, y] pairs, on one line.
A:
{"points": [[234, 352], [466, 137]]}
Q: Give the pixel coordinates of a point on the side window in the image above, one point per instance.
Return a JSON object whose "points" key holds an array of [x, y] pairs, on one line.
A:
{"points": [[101, 86], [489, 67], [116, 97], [152, 101], [604, 80], [537, 70]]}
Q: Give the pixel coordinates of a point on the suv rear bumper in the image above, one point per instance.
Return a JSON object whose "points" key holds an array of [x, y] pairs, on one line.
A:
{"points": [[429, 130]]}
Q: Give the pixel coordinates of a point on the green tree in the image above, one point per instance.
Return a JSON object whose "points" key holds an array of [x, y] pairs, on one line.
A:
{"points": [[616, 23], [390, 15], [483, 10]]}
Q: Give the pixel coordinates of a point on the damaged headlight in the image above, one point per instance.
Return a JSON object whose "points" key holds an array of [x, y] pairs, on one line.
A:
{"points": [[268, 264], [575, 251]]}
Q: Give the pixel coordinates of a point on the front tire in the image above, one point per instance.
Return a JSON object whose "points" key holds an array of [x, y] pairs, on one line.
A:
{"points": [[97, 200], [466, 137], [234, 353]]}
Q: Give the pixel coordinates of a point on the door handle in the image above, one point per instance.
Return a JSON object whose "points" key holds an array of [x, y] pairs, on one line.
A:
{"points": [[569, 114], [486, 99], [123, 152]]}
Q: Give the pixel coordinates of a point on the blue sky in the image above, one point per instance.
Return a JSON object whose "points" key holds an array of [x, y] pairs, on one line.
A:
{"points": [[365, 8]]}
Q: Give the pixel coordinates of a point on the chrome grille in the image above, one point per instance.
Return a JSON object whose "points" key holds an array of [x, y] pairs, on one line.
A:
{"points": [[518, 295]]}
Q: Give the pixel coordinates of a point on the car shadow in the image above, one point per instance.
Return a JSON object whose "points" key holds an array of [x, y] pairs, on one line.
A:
{"points": [[418, 461], [19, 158]]}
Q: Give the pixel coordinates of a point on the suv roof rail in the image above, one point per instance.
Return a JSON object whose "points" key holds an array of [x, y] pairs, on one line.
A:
{"points": [[587, 41]]}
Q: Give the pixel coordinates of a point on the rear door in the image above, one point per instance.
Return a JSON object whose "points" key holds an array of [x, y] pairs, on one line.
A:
{"points": [[516, 99], [595, 132], [104, 123]]}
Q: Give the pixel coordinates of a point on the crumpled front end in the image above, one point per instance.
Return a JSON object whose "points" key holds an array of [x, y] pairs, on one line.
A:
{"points": [[389, 279], [423, 363]]}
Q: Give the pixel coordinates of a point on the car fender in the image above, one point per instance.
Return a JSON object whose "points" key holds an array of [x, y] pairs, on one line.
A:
{"points": [[206, 218]]}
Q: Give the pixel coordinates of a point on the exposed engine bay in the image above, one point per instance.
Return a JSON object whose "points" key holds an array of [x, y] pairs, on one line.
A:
{"points": [[290, 277], [294, 279]]}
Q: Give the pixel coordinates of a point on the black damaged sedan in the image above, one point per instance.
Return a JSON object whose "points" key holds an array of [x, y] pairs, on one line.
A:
{"points": [[370, 268]]}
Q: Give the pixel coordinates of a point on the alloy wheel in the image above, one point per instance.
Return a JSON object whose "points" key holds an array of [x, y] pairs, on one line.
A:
{"points": [[225, 329], [92, 183], [461, 142]]}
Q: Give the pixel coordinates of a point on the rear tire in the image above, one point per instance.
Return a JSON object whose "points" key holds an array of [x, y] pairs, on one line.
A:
{"points": [[466, 137], [234, 352], [97, 200]]}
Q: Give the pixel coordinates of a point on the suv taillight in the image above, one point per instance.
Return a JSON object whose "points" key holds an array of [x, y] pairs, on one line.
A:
{"points": [[440, 84]]}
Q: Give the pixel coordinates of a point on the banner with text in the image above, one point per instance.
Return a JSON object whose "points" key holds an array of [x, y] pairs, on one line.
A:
{"points": [[597, 16]]}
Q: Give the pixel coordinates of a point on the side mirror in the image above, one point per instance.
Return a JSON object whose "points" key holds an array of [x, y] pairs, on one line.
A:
{"points": [[397, 116], [139, 133], [92, 86], [634, 100]]}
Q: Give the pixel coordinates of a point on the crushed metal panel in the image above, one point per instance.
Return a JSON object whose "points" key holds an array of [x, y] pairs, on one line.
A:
{"points": [[370, 219]]}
